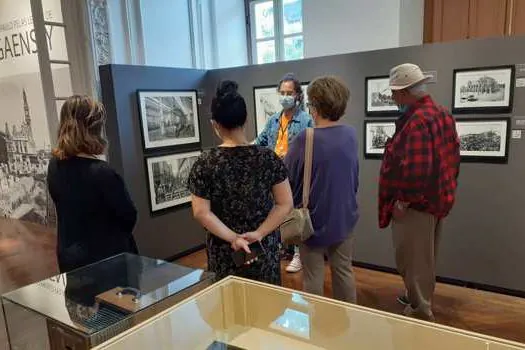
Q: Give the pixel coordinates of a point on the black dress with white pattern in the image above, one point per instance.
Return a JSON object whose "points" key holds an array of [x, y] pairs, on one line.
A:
{"points": [[238, 182]]}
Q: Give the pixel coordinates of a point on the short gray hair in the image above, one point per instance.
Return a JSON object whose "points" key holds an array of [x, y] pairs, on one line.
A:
{"points": [[418, 90]]}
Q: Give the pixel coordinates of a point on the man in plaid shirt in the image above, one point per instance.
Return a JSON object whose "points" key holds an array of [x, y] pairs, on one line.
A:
{"points": [[417, 184]]}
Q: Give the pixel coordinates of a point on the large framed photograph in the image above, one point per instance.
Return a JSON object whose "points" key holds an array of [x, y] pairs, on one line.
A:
{"points": [[377, 133], [378, 97], [168, 118], [483, 90], [484, 140], [168, 179], [267, 104]]}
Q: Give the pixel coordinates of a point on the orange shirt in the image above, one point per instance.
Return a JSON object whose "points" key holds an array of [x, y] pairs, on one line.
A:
{"points": [[281, 147]]}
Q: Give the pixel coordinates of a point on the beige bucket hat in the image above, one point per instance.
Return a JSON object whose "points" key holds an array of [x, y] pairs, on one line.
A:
{"points": [[406, 75]]}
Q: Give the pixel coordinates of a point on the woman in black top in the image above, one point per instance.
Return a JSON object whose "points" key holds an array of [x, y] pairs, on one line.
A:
{"points": [[94, 211], [240, 193]]}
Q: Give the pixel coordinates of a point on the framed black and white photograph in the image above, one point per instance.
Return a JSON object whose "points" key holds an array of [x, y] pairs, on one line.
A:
{"points": [[378, 97], [483, 90], [304, 86], [484, 140], [168, 118], [168, 179], [266, 105], [377, 133]]}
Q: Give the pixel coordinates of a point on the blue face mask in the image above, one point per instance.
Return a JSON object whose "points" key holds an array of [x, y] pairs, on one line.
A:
{"points": [[288, 102], [403, 108]]}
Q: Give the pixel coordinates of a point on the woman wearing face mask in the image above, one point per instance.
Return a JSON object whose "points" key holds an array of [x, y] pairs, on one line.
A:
{"points": [[240, 194], [282, 128]]}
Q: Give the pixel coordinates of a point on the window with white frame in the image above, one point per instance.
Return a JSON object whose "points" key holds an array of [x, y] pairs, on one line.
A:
{"points": [[276, 30]]}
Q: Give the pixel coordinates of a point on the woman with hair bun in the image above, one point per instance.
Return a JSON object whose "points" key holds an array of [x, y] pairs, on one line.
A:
{"points": [[95, 215], [240, 194]]}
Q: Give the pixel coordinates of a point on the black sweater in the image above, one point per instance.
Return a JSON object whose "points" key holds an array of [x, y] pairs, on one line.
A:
{"points": [[95, 213]]}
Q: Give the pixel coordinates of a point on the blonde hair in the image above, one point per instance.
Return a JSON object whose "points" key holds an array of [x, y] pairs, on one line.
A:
{"points": [[329, 96], [81, 124]]}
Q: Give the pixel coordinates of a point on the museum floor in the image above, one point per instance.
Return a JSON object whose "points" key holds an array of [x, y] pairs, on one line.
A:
{"points": [[27, 255]]}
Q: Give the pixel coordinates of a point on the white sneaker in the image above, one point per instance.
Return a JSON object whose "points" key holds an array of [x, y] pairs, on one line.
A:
{"points": [[295, 265]]}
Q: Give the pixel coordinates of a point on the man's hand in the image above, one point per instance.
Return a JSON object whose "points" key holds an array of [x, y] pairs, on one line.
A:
{"points": [[252, 237], [240, 243], [400, 209]]}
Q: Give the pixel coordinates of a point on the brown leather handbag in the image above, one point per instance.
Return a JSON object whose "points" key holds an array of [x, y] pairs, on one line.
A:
{"points": [[297, 227]]}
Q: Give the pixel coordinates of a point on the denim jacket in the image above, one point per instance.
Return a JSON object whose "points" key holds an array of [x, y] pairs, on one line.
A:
{"points": [[268, 138]]}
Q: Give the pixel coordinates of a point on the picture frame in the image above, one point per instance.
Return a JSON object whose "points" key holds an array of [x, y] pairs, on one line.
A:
{"points": [[483, 90], [376, 135], [484, 140], [304, 86], [267, 104], [167, 179], [168, 118], [378, 97]]}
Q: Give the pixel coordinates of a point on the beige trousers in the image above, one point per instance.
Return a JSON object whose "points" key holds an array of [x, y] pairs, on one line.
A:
{"points": [[340, 259], [416, 238]]}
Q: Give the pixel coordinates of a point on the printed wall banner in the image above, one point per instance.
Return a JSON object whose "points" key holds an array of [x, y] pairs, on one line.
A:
{"points": [[25, 146]]}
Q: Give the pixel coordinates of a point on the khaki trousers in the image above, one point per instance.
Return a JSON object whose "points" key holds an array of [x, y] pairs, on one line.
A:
{"points": [[416, 238], [340, 260]]}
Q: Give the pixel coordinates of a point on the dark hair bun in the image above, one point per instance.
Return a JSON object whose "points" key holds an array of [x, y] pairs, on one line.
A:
{"points": [[228, 108], [227, 87]]}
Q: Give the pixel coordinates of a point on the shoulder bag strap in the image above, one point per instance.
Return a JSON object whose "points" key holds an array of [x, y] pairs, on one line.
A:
{"points": [[307, 176]]}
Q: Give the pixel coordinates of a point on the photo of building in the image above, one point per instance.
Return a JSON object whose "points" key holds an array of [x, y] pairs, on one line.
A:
{"points": [[23, 167]]}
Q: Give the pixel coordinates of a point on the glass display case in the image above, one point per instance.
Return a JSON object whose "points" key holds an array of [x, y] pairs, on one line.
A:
{"points": [[83, 308], [240, 314]]}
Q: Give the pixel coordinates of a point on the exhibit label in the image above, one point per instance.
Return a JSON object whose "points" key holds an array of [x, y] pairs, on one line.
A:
{"points": [[433, 75], [520, 82]]}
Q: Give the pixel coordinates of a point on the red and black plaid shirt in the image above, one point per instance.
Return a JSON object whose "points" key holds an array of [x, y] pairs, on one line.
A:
{"points": [[421, 162]]}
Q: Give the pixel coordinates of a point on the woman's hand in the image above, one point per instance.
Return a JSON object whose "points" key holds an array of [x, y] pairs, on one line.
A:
{"points": [[240, 243], [251, 237]]}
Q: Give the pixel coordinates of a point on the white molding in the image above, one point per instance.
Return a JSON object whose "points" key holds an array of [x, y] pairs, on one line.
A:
{"points": [[100, 31], [135, 31]]}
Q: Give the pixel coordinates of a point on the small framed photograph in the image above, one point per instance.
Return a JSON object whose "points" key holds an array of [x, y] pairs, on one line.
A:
{"points": [[168, 179], [168, 118], [304, 86], [484, 140], [378, 97], [377, 133], [483, 90], [266, 105]]}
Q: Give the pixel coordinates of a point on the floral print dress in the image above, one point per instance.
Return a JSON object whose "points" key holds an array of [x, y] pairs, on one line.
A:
{"points": [[238, 182]]}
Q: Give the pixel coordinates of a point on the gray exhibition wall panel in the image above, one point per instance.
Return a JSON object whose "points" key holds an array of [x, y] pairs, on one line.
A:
{"points": [[160, 236], [483, 238]]}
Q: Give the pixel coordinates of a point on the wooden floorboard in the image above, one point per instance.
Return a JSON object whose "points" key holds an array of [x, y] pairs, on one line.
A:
{"points": [[27, 255]]}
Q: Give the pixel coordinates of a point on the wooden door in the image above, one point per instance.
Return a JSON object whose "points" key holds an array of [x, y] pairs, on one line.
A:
{"points": [[449, 20], [517, 17], [487, 18]]}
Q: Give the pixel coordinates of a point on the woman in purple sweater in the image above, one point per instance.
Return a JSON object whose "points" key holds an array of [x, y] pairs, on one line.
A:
{"points": [[333, 202]]}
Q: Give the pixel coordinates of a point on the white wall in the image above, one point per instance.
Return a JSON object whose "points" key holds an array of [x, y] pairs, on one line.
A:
{"points": [[166, 33], [342, 26], [411, 22]]}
